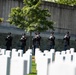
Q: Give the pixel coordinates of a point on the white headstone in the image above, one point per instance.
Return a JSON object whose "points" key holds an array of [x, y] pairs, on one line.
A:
{"points": [[63, 55], [62, 69], [18, 66], [74, 57], [58, 58], [4, 65], [28, 56], [8, 53], [68, 56], [52, 53], [14, 53], [43, 66], [20, 53], [3, 51]]}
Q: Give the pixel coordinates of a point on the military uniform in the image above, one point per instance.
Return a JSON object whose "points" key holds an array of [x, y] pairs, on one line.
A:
{"points": [[52, 41], [66, 40], [23, 42], [8, 40], [36, 42]]}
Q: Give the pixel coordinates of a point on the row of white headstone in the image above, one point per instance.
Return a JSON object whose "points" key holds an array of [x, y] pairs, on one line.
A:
{"points": [[55, 62], [14, 62]]}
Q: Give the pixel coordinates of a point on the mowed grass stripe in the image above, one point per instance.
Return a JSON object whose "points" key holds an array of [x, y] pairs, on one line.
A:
{"points": [[34, 72]]}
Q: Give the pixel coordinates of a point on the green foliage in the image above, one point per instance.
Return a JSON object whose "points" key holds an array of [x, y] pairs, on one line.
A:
{"points": [[17, 18], [1, 19], [67, 2], [37, 18], [31, 2], [34, 72], [31, 17]]}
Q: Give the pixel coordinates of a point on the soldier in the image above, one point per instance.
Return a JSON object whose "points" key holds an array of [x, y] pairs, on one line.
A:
{"points": [[36, 41], [52, 40], [66, 40], [23, 42], [8, 40]]}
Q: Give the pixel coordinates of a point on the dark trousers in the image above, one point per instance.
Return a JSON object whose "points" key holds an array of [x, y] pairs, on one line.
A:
{"points": [[23, 48], [51, 46], [66, 47], [8, 47], [34, 47]]}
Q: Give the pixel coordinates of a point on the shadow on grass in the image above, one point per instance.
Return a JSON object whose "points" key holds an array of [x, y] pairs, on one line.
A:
{"points": [[33, 73], [33, 64]]}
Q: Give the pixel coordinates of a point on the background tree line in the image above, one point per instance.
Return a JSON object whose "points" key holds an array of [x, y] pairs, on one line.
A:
{"points": [[66, 2]]}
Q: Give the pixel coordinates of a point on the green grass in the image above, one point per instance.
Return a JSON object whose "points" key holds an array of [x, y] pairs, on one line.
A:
{"points": [[34, 72]]}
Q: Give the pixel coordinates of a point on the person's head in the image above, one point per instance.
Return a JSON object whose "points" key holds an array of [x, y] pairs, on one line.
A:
{"points": [[67, 33], [35, 33], [52, 33], [38, 33], [9, 33], [23, 34]]}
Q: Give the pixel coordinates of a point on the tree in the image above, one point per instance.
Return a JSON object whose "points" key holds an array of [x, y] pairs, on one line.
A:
{"points": [[31, 17], [36, 18], [1, 20], [17, 18], [66, 2]]}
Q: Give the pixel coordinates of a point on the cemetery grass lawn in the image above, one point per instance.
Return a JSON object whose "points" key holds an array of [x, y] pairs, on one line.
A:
{"points": [[34, 72]]}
